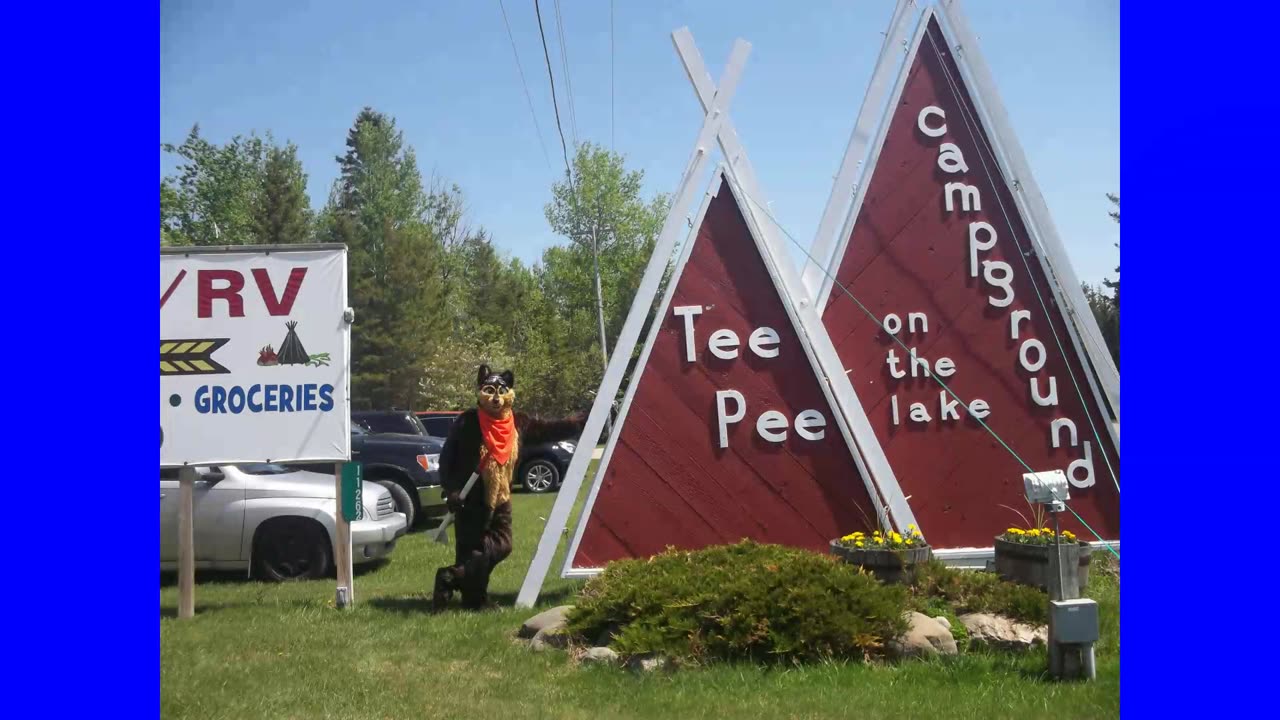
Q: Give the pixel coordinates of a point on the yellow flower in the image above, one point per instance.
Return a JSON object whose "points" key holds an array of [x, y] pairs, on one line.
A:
{"points": [[858, 544], [911, 526], [1034, 533]]}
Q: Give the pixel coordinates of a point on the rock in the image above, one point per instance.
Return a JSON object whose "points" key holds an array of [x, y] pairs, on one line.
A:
{"points": [[555, 617], [925, 637], [555, 637], [943, 622], [648, 663], [1002, 633], [600, 655]]}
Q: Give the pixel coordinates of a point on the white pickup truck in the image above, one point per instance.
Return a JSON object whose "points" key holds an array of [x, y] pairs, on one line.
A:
{"points": [[275, 521]]}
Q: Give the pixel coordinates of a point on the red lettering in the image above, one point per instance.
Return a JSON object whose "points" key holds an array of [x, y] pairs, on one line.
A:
{"points": [[284, 304], [206, 293], [172, 286]]}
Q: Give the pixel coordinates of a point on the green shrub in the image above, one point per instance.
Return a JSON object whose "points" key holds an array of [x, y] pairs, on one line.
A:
{"points": [[763, 603], [972, 591]]}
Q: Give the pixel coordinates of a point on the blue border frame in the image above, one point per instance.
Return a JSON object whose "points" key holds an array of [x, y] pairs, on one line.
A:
{"points": [[82, 132], [1199, 106]]}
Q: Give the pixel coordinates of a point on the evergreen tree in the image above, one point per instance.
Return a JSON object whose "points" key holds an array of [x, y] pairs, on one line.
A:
{"points": [[283, 211], [377, 209], [1106, 310]]}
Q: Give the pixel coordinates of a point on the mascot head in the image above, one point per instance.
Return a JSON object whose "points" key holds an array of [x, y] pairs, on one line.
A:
{"points": [[495, 392]]}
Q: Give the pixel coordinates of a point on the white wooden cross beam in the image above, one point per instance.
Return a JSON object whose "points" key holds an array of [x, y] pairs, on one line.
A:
{"points": [[716, 113], [871, 460]]}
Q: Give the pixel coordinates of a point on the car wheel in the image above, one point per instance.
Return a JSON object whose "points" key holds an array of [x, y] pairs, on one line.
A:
{"points": [[292, 549], [540, 476], [402, 498]]}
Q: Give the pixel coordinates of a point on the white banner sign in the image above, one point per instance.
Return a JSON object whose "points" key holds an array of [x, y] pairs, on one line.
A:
{"points": [[254, 356]]}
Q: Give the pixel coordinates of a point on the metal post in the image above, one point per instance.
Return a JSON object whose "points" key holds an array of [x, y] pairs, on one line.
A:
{"points": [[1058, 590], [186, 543]]}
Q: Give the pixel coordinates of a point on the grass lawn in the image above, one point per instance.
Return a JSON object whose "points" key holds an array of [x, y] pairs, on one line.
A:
{"points": [[256, 650]]}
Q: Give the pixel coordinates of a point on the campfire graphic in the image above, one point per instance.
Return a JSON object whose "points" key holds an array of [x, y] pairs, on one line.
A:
{"points": [[291, 351]]}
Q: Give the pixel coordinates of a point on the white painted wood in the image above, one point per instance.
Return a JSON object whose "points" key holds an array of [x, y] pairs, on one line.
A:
{"points": [[892, 52], [626, 342], [881, 484], [865, 446], [567, 570], [735, 155], [822, 268], [1082, 327], [1036, 211], [186, 543], [342, 545]]}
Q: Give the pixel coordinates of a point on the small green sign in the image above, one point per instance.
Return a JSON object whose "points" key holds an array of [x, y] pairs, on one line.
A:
{"points": [[352, 492]]}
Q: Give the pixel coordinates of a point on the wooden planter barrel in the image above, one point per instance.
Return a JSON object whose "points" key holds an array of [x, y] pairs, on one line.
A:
{"points": [[1029, 564], [889, 566]]}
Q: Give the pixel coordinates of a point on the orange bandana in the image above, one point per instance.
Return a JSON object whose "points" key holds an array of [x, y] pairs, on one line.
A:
{"points": [[499, 435]]}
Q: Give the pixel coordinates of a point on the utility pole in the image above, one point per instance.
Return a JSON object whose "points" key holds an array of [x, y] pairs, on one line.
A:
{"points": [[604, 343]]}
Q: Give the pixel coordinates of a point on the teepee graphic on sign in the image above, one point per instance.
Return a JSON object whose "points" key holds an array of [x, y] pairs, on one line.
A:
{"points": [[944, 295], [727, 430], [291, 350]]}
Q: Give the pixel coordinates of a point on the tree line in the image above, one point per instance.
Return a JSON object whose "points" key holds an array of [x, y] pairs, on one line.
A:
{"points": [[433, 295], [1106, 308]]}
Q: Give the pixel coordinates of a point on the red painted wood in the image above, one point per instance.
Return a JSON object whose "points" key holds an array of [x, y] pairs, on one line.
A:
{"points": [[908, 254], [668, 483]]}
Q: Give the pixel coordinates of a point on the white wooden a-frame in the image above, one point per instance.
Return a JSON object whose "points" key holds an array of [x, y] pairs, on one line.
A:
{"points": [[776, 262], [671, 229], [868, 454], [906, 31]]}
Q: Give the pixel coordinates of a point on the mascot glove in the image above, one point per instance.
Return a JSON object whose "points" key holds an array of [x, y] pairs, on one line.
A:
{"points": [[454, 502]]}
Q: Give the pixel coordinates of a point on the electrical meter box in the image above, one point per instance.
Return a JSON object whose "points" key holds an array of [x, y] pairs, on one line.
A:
{"points": [[1073, 622]]}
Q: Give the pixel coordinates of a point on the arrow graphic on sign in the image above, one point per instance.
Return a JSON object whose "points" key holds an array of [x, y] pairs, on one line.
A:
{"points": [[190, 357]]}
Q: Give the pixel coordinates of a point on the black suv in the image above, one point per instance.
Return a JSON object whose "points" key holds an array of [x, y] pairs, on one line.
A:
{"points": [[407, 465], [542, 467], [389, 421]]}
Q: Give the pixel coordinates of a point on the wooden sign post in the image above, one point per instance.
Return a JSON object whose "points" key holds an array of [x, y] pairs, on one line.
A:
{"points": [[347, 481], [186, 543]]}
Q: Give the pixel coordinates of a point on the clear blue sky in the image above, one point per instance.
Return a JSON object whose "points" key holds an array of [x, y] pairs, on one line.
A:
{"points": [[445, 71]]}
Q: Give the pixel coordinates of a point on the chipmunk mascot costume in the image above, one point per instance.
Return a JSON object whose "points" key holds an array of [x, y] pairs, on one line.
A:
{"points": [[486, 440]]}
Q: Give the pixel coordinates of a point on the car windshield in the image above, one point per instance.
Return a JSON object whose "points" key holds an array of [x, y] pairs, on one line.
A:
{"points": [[265, 469], [393, 423]]}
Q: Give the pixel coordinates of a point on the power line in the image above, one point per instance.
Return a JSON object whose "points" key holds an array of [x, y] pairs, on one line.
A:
{"points": [[933, 376], [554, 104], [528, 98], [568, 78]]}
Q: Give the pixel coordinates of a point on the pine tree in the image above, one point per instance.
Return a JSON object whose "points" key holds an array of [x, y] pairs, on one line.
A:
{"points": [[377, 209], [282, 213]]}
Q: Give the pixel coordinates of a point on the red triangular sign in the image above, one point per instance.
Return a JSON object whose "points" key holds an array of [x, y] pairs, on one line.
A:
{"points": [[666, 480], [940, 254]]}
